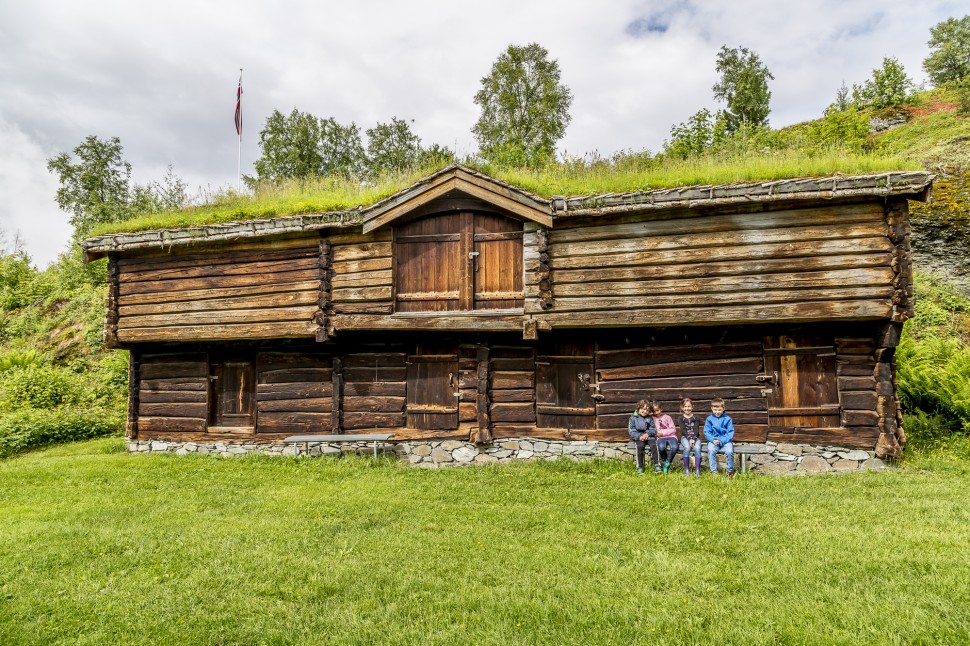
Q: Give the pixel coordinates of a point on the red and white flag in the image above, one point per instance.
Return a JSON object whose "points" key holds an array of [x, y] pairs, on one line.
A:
{"points": [[239, 107]]}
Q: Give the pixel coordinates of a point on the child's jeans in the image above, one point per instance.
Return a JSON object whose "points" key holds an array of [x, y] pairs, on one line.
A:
{"points": [[667, 448], [727, 449], [685, 449]]}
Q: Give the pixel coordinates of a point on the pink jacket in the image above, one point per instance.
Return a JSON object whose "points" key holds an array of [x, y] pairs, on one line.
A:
{"points": [[665, 426]]}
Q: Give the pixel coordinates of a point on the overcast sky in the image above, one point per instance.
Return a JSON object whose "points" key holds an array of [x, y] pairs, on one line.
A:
{"points": [[162, 76]]}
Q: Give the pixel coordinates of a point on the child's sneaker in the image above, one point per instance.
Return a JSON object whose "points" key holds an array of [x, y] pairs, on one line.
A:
{"points": [[730, 475], [656, 468], [640, 471]]}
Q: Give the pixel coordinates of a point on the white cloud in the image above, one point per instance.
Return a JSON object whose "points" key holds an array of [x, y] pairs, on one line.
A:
{"points": [[26, 197]]}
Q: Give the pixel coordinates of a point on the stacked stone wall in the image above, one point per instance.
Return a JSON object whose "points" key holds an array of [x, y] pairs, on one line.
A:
{"points": [[769, 458]]}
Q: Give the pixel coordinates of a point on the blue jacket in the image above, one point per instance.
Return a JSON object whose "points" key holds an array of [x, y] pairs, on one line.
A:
{"points": [[719, 428], [641, 426]]}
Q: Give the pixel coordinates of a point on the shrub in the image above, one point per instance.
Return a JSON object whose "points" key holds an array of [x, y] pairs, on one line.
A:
{"points": [[38, 386], [888, 87], [27, 429]]}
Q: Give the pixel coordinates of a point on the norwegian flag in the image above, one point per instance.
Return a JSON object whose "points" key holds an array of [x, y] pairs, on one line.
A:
{"points": [[239, 107]]}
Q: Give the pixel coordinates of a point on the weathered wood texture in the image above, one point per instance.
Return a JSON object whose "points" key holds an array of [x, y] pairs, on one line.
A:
{"points": [[809, 264], [294, 392], [111, 304], [225, 295], [173, 391], [826, 389]]}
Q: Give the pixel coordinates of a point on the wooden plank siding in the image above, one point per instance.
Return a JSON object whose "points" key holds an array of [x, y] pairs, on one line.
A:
{"points": [[235, 293], [804, 264]]}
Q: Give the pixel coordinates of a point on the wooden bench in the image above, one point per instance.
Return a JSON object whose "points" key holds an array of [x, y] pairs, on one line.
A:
{"points": [[740, 458], [376, 438]]}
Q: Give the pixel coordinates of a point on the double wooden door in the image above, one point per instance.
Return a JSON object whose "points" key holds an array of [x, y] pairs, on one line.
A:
{"points": [[564, 378], [458, 261]]}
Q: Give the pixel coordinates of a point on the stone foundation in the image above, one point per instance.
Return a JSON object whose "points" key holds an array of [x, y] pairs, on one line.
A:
{"points": [[771, 457]]}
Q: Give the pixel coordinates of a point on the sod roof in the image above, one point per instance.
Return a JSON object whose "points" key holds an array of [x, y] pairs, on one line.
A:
{"points": [[915, 184]]}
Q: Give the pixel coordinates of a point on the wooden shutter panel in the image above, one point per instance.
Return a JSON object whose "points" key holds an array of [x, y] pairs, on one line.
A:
{"points": [[804, 392], [563, 398], [432, 384]]}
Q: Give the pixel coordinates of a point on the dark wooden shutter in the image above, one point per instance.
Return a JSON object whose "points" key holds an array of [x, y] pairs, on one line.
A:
{"points": [[432, 384], [498, 263], [233, 389], [564, 371], [804, 392]]}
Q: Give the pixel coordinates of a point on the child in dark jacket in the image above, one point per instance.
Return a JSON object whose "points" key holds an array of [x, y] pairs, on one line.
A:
{"points": [[643, 432], [690, 436]]}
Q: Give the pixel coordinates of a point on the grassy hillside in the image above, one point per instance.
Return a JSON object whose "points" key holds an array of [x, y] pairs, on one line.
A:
{"points": [[57, 382], [105, 547]]}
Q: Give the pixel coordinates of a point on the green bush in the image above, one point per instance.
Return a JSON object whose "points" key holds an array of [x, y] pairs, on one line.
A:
{"points": [[27, 429], [39, 386]]}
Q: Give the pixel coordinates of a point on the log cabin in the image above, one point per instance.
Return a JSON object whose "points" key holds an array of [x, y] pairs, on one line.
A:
{"points": [[465, 308]]}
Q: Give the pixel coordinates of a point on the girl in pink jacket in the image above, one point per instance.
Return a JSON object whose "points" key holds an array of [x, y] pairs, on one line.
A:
{"points": [[666, 435]]}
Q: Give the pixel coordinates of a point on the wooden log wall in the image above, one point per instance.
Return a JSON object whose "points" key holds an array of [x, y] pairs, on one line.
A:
{"points": [[172, 393], [666, 373], [111, 304], [374, 389], [362, 277], [254, 290], [797, 265], [363, 387], [294, 392]]}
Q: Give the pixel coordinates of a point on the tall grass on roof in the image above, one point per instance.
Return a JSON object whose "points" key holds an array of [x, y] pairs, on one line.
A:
{"points": [[269, 199], [629, 172], [623, 172]]}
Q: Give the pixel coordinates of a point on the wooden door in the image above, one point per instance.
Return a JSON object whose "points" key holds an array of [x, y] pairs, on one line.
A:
{"points": [[802, 382], [498, 262], [564, 373], [429, 263], [232, 392], [458, 261], [432, 387]]}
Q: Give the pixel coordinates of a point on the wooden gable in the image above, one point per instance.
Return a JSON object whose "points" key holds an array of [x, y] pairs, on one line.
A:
{"points": [[465, 181]]}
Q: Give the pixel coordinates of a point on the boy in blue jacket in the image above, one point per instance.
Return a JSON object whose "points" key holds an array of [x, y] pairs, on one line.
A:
{"points": [[719, 432]]}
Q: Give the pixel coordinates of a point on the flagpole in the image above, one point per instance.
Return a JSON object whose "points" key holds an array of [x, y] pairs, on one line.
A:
{"points": [[239, 152]]}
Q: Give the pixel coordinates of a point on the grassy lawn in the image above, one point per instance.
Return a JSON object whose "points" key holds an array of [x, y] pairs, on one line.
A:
{"points": [[97, 546]]}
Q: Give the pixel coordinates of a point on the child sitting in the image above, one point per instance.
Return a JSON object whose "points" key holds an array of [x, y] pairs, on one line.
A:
{"points": [[666, 436], [642, 431], [719, 431], [690, 436]]}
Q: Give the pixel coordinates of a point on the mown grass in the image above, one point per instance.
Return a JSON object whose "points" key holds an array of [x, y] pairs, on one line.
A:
{"points": [[632, 172], [98, 547]]}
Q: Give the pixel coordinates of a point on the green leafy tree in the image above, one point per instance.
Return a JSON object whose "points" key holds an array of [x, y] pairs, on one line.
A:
{"points": [[744, 87], [950, 58], [94, 183], [888, 87], [525, 108], [692, 137], [289, 147], [437, 156], [392, 147], [341, 150]]}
